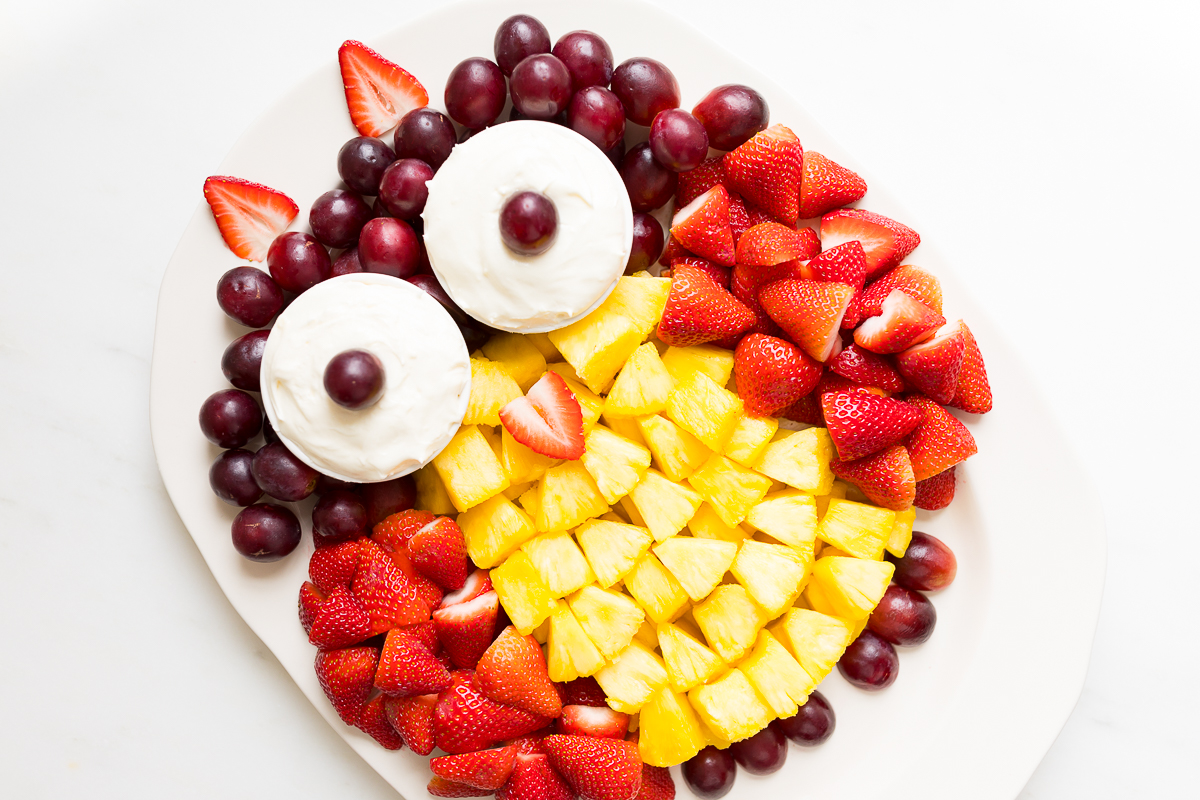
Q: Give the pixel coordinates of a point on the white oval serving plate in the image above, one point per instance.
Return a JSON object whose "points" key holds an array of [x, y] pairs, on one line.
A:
{"points": [[973, 710]]}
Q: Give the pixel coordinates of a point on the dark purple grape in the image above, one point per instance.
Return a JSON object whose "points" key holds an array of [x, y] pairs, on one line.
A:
{"points": [[230, 418], [242, 360], [587, 57], [386, 498], [268, 431], [648, 243], [710, 773], [597, 115], [649, 183], [403, 191], [281, 474], [731, 114], [540, 87], [467, 133], [390, 247], [903, 617], [347, 263], [646, 87], [326, 484], [678, 140], [231, 479], [427, 135], [761, 754], [265, 532], [870, 662], [338, 517], [616, 154], [517, 38], [249, 296], [337, 216], [528, 222], [475, 334], [475, 93], [928, 564], [361, 163], [430, 285], [812, 724], [354, 379], [298, 261]]}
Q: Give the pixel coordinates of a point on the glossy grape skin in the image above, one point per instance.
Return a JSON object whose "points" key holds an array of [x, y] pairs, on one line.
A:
{"points": [[231, 479], [242, 360], [870, 662], [587, 57], [596, 114], [346, 264], [540, 87], [361, 163], [265, 532], [389, 247], [249, 296], [732, 114], [903, 617], [928, 564], [710, 773], [646, 87], [403, 190], [326, 484], [528, 222], [338, 516], [298, 261], [678, 140], [475, 93], [475, 334], [354, 379], [281, 474], [337, 216], [649, 183], [761, 754], [648, 241], [517, 38], [812, 724], [230, 418], [384, 499], [427, 135], [616, 154]]}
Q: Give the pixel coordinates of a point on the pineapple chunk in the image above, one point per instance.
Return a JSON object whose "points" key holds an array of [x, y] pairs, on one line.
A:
{"points": [[641, 387], [676, 452], [647, 634], [567, 496], [704, 409], [800, 459], [730, 706], [542, 632], [707, 524], [612, 548], [641, 298], [609, 618], [627, 509], [632, 678], [431, 492], [494, 529], [529, 501], [773, 574], [664, 505], [590, 403], [729, 619], [730, 488], [856, 528], [542, 342], [789, 517], [598, 345], [616, 463], [898, 539], [689, 662], [521, 464], [715, 362], [669, 731], [491, 389], [570, 654], [519, 356], [469, 469], [838, 491], [814, 598], [777, 676], [750, 438], [626, 427], [559, 562], [655, 589], [815, 640], [526, 600], [515, 492], [852, 587], [698, 564]]}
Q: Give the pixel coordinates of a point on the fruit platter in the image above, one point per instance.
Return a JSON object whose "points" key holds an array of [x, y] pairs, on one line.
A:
{"points": [[577, 419]]}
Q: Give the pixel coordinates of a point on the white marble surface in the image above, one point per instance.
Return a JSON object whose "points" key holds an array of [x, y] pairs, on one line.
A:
{"points": [[1051, 145]]}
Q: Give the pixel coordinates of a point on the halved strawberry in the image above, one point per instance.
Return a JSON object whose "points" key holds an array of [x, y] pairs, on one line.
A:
{"points": [[673, 250], [533, 778], [772, 373], [867, 369], [939, 441], [846, 263], [973, 393], [719, 274], [395, 530], [346, 677], [770, 243], [810, 312], [249, 215], [861, 423], [309, 604], [408, 666], [598, 769], [440, 787], [696, 182], [592, 721], [826, 185], [806, 410], [766, 172], [917, 283], [340, 622], [391, 599], [374, 722], [547, 420], [739, 218], [744, 283], [412, 717], [331, 567], [885, 241], [936, 492], [699, 311], [584, 692], [702, 226], [439, 552], [932, 367], [657, 784], [426, 589], [513, 671], [466, 630], [465, 719], [886, 477], [378, 92], [483, 769], [478, 583], [902, 323]]}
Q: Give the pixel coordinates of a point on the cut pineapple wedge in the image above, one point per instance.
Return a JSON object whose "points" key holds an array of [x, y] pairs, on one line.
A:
{"points": [[559, 562], [632, 678], [647, 634], [526, 599], [706, 524], [598, 345], [609, 618], [689, 663], [642, 386], [494, 529], [520, 463], [492, 388], [570, 654], [518, 355], [567, 496], [669, 732], [698, 564], [664, 506], [730, 706], [655, 589], [731, 489], [542, 342], [790, 517], [779, 679], [612, 548], [469, 469], [641, 298], [676, 452], [715, 362], [851, 587], [814, 639], [857, 529], [750, 438], [836, 492], [431, 492], [614, 462], [729, 619], [626, 427], [773, 574], [800, 459], [898, 539], [704, 409]]}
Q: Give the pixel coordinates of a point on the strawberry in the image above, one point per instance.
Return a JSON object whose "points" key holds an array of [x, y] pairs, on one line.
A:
{"points": [[309, 604], [532, 744], [719, 274], [826, 185], [770, 243], [657, 784], [739, 218], [534, 779], [702, 226], [465, 719], [766, 171], [249, 215], [861, 423], [547, 420], [744, 283], [408, 666], [374, 722], [394, 531], [867, 369], [341, 621], [973, 393], [483, 769], [346, 677], [810, 312], [696, 182], [592, 721], [331, 567], [886, 477], [412, 717], [584, 692], [917, 283], [597, 769], [513, 671], [426, 589], [932, 367], [439, 552], [440, 787], [478, 583], [806, 410], [467, 629], [846, 263], [936, 492], [902, 323], [378, 92], [391, 599], [885, 241], [698, 310], [772, 373], [673, 250], [939, 441]]}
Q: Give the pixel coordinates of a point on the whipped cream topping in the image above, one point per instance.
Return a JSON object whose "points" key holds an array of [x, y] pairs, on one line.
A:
{"points": [[426, 370], [501, 288]]}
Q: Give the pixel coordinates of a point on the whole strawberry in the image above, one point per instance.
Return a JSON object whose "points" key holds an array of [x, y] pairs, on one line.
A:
{"points": [[772, 373]]}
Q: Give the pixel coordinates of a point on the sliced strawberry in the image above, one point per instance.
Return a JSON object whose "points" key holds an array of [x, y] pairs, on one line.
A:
{"points": [[584, 692], [426, 589], [902, 323], [391, 599], [696, 182], [478, 583], [770, 243], [532, 744], [483, 769], [739, 218], [249, 215], [309, 604], [719, 274], [467, 629], [772, 373], [886, 477], [341, 621], [673, 250], [440, 787], [439, 552], [331, 567], [698, 310], [867, 369], [378, 92], [916, 283], [846, 263], [766, 171], [826, 185], [513, 672], [408, 666], [346, 677], [657, 784], [592, 721], [465, 719], [374, 722], [547, 420], [412, 717], [806, 410], [702, 226], [936, 492], [973, 393], [744, 283], [861, 423], [939, 442], [395, 530], [885, 241], [598, 769], [932, 367], [810, 312], [534, 779]]}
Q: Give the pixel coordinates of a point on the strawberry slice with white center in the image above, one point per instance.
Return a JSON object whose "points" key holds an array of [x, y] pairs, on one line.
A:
{"points": [[861, 423], [886, 477], [902, 323], [249, 215], [932, 367], [917, 283], [939, 441], [885, 241], [699, 311], [547, 420], [936, 492], [467, 629], [378, 92], [766, 171], [478, 583], [810, 312], [593, 721], [702, 227], [826, 185], [772, 374], [770, 243], [974, 393]]}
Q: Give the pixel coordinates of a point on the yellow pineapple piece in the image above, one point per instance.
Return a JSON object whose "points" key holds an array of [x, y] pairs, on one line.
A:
{"points": [[609, 618], [612, 548], [731, 489], [641, 387], [898, 539], [542, 342], [704, 409], [676, 452], [542, 632], [715, 362], [615, 463], [590, 403], [521, 464], [669, 731], [640, 298], [598, 345], [698, 564], [814, 598], [730, 620], [750, 438], [730, 706], [570, 654], [469, 469], [559, 562], [852, 587], [814, 639], [779, 679], [773, 574], [492, 388], [647, 634], [664, 505], [492, 435], [627, 509], [800, 459], [528, 500], [567, 496], [689, 663], [633, 677], [790, 517], [707, 524], [626, 427], [431, 492], [837, 491], [526, 599], [856, 528], [519, 356], [655, 589], [514, 492], [493, 530]]}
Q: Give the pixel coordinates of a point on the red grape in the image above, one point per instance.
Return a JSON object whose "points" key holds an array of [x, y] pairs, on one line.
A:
{"points": [[386, 498], [678, 140], [812, 724], [647, 243], [645, 87], [298, 261], [475, 93], [540, 87], [616, 154], [281, 474], [761, 754], [403, 191], [903, 617], [732, 114], [710, 773], [249, 296], [230, 418], [268, 431], [361, 163], [354, 379], [242, 360], [265, 532], [528, 221], [338, 516], [425, 134], [928, 564], [649, 183], [390, 247], [870, 662], [587, 57], [231, 479], [597, 115], [430, 285], [337, 216], [517, 38], [347, 263], [326, 484]]}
